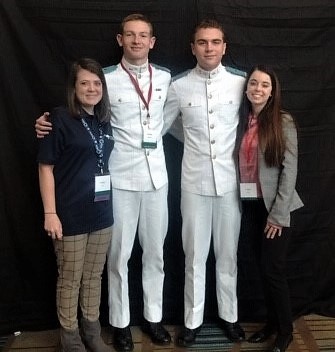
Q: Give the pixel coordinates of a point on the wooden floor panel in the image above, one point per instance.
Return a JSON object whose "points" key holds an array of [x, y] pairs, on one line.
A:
{"points": [[311, 334]]}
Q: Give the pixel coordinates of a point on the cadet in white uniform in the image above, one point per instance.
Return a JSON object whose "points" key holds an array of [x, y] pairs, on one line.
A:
{"points": [[206, 101], [137, 92]]}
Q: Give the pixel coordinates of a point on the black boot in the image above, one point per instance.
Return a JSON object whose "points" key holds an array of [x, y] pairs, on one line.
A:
{"points": [[186, 337], [262, 334], [156, 331], [122, 339]]}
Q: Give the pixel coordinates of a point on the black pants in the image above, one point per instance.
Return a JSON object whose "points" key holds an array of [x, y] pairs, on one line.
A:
{"points": [[271, 258]]}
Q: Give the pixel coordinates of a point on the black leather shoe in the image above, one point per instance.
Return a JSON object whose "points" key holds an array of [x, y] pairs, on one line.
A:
{"points": [[281, 343], [186, 337], [262, 335], [157, 333], [233, 331], [122, 339]]}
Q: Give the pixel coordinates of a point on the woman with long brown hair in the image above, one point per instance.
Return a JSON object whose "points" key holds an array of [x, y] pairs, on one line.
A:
{"points": [[267, 154]]}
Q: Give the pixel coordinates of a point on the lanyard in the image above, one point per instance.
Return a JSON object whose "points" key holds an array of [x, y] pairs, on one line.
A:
{"points": [[138, 89], [98, 144]]}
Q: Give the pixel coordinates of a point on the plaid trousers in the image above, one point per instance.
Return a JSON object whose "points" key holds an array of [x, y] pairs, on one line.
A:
{"points": [[80, 260]]}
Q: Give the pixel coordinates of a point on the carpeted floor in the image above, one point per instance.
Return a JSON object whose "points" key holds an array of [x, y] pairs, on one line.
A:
{"points": [[311, 334]]}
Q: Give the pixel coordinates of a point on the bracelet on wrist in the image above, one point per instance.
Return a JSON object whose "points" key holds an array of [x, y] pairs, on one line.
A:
{"points": [[50, 213]]}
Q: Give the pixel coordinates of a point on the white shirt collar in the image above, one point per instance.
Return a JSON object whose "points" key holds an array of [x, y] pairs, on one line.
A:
{"points": [[135, 68], [208, 74]]}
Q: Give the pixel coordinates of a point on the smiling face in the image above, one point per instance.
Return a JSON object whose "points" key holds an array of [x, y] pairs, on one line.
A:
{"points": [[88, 89], [259, 88], [208, 47], [136, 40]]}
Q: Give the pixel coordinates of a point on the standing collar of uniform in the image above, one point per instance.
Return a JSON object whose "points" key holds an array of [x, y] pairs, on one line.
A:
{"points": [[135, 68], [208, 74]]}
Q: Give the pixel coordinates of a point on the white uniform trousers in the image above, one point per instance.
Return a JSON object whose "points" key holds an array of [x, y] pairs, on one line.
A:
{"points": [[204, 216], [147, 213]]}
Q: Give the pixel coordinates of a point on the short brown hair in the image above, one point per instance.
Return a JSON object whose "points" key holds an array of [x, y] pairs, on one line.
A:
{"points": [[136, 17], [208, 23]]}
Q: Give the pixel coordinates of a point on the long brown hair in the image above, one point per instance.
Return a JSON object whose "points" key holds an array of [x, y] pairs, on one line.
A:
{"points": [[102, 110], [270, 132]]}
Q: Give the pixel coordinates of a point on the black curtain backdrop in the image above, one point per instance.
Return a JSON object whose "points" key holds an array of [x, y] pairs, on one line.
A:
{"points": [[38, 40]]}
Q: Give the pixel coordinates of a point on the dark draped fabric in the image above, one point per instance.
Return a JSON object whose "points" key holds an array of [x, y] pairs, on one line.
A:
{"points": [[39, 38]]}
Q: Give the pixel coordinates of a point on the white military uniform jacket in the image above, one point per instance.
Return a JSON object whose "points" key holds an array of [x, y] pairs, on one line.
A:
{"points": [[132, 167], [207, 104]]}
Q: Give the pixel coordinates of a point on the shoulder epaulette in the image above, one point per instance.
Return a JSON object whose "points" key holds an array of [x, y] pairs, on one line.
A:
{"points": [[109, 69], [181, 75], [236, 71], [160, 67]]}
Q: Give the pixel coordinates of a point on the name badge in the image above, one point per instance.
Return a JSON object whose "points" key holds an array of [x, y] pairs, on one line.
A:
{"points": [[102, 187], [248, 190], [149, 140]]}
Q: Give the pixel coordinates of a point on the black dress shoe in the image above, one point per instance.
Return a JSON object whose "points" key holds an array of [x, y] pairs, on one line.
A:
{"points": [[233, 331], [281, 343], [122, 339], [186, 337], [157, 333], [262, 335]]}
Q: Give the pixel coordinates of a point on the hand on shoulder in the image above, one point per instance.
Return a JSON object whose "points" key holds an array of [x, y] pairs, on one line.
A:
{"points": [[42, 125]]}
